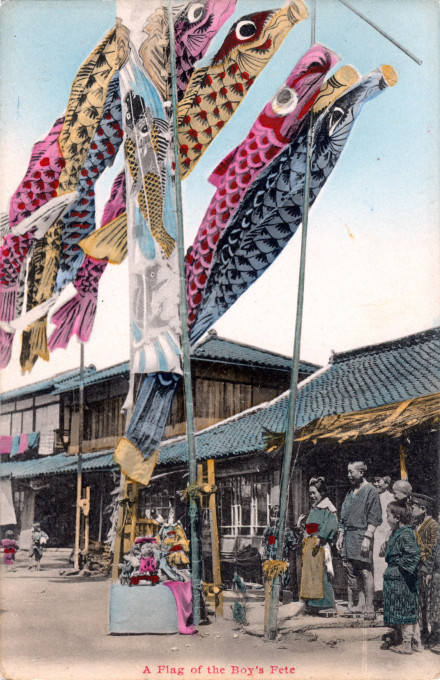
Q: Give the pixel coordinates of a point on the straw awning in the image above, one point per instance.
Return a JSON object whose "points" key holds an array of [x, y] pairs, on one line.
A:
{"points": [[391, 420]]}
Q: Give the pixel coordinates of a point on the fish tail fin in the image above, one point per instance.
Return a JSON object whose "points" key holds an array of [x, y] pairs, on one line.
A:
{"points": [[205, 318], [109, 242], [8, 301], [76, 317], [137, 452], [5, 347], [34, 345], [151, 205]]}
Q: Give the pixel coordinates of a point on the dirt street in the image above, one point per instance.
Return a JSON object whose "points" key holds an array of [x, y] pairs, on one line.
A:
{"points": [[55, 628]]}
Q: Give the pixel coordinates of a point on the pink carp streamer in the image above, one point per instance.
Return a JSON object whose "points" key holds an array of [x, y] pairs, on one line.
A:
{"points": [[38, 186], [12, 254], [77, 316], [41, 180], [274, 129]]}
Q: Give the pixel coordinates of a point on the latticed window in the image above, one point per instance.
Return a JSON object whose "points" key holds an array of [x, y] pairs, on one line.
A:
{"points": [[243, 504]]}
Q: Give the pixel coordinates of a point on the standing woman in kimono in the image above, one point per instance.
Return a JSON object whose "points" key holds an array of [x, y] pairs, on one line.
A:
{"points": [[400, 605], [321, 527]]}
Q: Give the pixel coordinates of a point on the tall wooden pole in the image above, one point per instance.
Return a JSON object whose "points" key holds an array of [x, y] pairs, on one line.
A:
{"points": [[273, 592], [79, 468], [191, 442]]}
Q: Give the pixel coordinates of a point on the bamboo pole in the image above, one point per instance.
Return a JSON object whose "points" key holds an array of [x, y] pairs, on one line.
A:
{"points": [[382, 32], [273, 592], [193, 510]]}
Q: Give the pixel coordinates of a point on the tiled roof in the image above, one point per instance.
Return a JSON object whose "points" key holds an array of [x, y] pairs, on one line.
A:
{"points": [[363, 378], [97, 376], [373, 376], [50, 385], [214, 348], [57, 464]]}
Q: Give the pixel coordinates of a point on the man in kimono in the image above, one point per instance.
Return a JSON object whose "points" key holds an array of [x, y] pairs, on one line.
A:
{"points": [[360, 515], [426, 529]]}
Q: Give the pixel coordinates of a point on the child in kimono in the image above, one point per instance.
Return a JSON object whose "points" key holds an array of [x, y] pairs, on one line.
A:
{"points": [[400, 581], [39, 539], [10, 547]]}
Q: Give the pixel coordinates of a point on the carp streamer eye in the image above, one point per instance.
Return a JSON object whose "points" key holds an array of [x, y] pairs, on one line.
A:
{"points": [[195, 12], [245, 30], [284, 101]]}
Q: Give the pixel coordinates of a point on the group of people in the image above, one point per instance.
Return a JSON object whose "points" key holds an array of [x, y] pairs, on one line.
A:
{"points": [[10, 546], [390, 548]]}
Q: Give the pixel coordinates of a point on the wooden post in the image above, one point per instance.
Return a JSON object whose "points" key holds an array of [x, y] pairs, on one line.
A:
{"points": [[403, 454], [119, 530], [87, 522], [100, 518], [79, 469], [200, 473], [78, 513], [134, 511], [216, 565]]}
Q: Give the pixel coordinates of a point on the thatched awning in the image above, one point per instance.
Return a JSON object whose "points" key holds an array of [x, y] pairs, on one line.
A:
{"points": [[391, 420]]}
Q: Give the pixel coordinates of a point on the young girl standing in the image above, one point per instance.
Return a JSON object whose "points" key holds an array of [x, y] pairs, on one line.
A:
{"points": [[10, 547], [400, 581]]}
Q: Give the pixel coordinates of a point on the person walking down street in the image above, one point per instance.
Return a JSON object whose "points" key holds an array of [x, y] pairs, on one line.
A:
{"points": [[381, 535], [316, 564], [39, 539], [432, 570], [426, 529], [361, 513], [10, 547], [400, 581]]}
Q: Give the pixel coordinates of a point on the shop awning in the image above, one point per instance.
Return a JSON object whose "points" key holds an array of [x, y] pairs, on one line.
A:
{"points": [[58, 464], [392, 420]]}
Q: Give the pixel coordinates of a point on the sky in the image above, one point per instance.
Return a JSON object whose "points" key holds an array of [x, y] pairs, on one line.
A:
{"points": [[372, 268]]}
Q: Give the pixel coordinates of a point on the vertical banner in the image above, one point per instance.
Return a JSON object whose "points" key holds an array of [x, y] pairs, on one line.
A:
{"points": [[155, 325]]}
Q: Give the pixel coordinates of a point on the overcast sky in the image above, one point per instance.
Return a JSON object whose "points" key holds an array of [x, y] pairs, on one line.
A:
{"points": [[372, 270]]}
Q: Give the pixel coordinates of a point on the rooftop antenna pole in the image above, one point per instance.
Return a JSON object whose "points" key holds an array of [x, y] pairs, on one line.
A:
{"points": [[274, 592], [192, 457]]}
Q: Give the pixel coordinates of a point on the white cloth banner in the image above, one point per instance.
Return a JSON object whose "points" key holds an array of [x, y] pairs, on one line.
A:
{"points": [[152, 230], [7, 511], [47, 443]]}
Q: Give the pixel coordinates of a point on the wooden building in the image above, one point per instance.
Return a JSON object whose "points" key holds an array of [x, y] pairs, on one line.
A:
{"points": [[379, 404], [228, 377]]}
